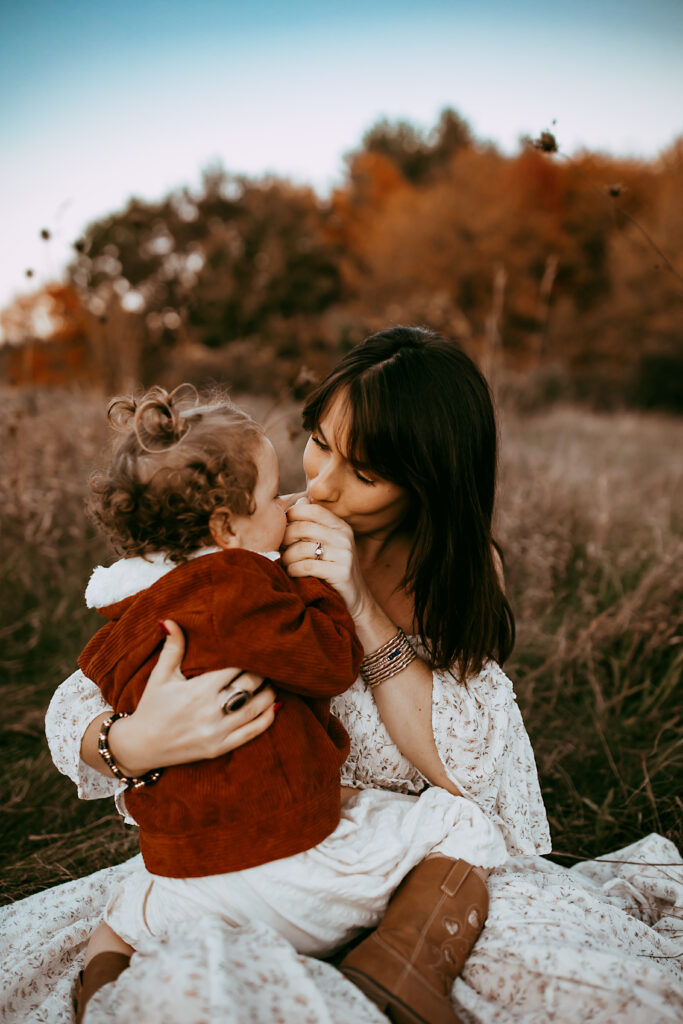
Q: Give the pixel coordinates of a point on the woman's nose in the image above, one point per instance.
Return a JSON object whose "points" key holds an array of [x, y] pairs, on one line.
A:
{"points": [[323, 486]]}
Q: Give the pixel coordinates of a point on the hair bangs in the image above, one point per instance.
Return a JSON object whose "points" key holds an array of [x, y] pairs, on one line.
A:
{"points": [[371, 443]]}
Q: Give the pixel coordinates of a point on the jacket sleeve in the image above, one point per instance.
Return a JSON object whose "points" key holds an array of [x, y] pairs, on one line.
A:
{"points": [[297, 633]]}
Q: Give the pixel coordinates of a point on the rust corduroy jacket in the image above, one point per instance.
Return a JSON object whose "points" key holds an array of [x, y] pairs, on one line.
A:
{"points": [[279, 794]]}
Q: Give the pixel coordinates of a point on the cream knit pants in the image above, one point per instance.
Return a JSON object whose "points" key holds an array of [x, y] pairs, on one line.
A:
{"points": [[322, 898]]}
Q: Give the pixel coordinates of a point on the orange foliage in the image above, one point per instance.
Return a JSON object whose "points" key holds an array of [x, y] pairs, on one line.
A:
{"points": [[536, 182], [529, 260], [53, 363], [46, 340], [373, 179]]}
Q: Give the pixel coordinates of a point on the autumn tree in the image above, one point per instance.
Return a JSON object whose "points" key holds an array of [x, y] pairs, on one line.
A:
{"points": [[533, 259], [417, 154], [206, 268]]}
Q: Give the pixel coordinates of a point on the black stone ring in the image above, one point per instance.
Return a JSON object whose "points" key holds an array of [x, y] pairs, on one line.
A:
{"points": [[236, 701]]}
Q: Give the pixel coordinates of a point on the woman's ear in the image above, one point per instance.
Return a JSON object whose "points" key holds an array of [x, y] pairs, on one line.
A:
{"points": [[221, 531]]}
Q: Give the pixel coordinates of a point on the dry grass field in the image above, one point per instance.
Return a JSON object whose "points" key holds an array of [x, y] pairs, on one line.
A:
{"points": [[590, 520]]}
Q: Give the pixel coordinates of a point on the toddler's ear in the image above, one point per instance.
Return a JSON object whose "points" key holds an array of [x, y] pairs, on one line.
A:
{"points": [[220, 529]]}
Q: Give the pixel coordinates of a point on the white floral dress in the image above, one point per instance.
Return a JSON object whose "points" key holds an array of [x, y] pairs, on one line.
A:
{"points": [[598, 943]]}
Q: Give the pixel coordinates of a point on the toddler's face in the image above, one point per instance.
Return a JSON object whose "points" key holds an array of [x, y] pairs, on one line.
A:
{"points": [[264, 529]]}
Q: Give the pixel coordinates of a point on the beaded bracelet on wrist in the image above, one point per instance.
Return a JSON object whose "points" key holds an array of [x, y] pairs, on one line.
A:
{"points": [[388, 660], [132, 782]]}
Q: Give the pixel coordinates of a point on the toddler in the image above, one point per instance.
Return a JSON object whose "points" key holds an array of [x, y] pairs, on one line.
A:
{"points": [[191, 498]]}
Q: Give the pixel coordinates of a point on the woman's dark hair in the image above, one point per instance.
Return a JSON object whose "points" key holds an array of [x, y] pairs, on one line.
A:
{"points": [[422, 417], [176, 460]]}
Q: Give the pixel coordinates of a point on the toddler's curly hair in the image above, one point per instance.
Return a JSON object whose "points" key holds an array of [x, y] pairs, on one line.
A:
{"points": [[177, 458]]}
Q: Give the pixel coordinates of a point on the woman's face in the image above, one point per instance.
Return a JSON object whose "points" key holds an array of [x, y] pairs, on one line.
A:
{"points": [[364, 500]]}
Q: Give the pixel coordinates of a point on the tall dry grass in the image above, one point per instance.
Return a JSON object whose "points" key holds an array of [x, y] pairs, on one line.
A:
{"points": [[589, 516]]}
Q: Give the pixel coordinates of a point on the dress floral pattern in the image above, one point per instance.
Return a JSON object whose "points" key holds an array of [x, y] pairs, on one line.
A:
{"points": [[599, 943], [482, 743]]}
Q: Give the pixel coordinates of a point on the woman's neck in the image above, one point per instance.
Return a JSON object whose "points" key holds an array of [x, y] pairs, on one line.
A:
{"points": [[383, 561], [378, 548]]}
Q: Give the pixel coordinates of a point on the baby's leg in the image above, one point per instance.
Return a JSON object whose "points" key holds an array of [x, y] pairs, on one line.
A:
{"points": [[106, 957], [482, 872], [408, 964], [105, 940]]}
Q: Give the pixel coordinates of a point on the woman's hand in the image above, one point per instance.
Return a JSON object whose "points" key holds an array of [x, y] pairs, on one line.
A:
{"points": [[312, 527], [404, 701], [176, 722]]}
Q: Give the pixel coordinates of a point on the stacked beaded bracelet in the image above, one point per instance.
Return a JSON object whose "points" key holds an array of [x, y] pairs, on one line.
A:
{"points": [[108, 758], [388, 660]]}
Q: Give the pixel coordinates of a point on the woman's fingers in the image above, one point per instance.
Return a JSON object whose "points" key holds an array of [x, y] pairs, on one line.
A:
{"points": [[238, 737], [328, 571], [304, 529], [220, 679], [260, 702], [168, 667], [287, 500], [171, 657], [306, 549], [237, 727], [178, 721], [309, 511], [252, 704], [318, 543]]}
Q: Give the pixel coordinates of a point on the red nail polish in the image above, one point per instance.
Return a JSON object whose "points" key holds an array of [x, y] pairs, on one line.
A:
{"points": [[277, 705], [164, 627]]}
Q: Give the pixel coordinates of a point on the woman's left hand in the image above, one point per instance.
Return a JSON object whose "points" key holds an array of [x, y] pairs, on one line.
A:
{"points": [[313, 528]]}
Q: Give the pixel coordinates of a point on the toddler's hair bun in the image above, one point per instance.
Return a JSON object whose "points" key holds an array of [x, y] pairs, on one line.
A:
{"points": [[159, 419]]}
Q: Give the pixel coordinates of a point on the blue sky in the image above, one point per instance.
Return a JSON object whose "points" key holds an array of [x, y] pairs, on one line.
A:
{"points": [[102, 101]]}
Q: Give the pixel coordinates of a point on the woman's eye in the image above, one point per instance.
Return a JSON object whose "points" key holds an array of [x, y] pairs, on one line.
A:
{"points": [[319, 443]]}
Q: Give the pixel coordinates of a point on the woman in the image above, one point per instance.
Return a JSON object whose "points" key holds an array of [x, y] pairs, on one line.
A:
{"points": [[400, 484]]}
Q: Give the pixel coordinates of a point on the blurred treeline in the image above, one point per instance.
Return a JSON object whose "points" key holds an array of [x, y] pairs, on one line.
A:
{"points": [[561, 276]]}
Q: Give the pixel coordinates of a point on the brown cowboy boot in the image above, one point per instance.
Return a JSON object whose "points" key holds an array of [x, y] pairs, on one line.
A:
{"points": [[103, 968], [408, 964]]}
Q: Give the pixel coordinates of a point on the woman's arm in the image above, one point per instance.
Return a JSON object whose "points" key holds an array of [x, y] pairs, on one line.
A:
{"points": [[74, 705], [175, 723], [404, 701]]}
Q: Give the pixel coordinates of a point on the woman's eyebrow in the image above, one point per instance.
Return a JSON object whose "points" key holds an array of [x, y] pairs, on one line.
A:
{"points": [[320, 431]]}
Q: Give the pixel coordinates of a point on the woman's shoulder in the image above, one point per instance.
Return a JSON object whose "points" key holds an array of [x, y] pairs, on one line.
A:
{"points": [[480, 709], [489, 687]]}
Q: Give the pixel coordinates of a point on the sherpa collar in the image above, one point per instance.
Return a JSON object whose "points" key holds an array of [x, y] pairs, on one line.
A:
{"points": [[110, 584]]}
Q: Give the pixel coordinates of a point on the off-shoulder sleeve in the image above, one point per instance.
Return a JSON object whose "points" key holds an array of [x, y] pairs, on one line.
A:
{"points": [[76, 702], [485, 749]]}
